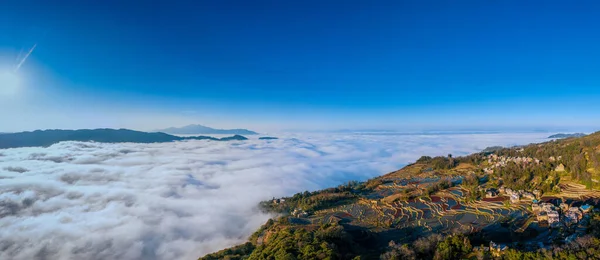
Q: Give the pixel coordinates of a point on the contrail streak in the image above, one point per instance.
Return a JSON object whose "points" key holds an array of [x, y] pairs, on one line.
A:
{"points": [[20, 55], [25, 58]]}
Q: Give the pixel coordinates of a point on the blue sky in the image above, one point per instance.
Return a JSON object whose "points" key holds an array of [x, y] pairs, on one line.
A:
{"points": [[302, 64]]}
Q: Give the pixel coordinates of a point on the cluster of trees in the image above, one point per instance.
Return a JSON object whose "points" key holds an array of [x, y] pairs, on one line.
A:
{"points": [[438, 247], [439, 162], [438, 186], [449, 162], [583, 248], [471, 183], [577, 155], [474, 159], [282, 240], [521, 176], [328, 241], [435, 247], [312, 201], [234, 253]]}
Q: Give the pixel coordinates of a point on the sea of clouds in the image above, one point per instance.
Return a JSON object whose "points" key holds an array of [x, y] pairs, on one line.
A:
{"points": [[181, 200]]}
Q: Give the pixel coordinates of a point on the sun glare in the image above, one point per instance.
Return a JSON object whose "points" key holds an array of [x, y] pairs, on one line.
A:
{"points": [[9, 83]]}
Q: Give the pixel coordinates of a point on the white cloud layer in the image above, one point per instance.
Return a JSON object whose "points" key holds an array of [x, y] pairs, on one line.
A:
{"points": [[181, 200]]}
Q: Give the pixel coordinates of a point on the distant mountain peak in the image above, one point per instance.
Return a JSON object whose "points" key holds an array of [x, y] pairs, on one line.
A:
{"points": [[200, 129]]}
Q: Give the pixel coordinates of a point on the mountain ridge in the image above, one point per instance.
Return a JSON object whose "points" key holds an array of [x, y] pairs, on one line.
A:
{"points": [[48, 137], [200, 129], [563, 135]]}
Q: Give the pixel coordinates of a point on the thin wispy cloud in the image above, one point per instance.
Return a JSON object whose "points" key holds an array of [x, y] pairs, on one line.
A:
{"points": [[181, 200]]}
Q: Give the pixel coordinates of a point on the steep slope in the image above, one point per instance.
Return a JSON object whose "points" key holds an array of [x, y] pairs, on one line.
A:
{"points": [[443, 208]]}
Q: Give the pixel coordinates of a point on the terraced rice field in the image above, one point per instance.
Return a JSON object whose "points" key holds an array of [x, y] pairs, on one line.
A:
{"points": [[445, 211]]}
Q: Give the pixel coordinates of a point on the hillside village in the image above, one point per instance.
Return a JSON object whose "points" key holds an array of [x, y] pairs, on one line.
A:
{"points": [[553, 212]]}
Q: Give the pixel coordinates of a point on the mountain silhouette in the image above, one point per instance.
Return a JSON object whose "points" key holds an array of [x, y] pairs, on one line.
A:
{"points": [[200, 129], [49, 137]]}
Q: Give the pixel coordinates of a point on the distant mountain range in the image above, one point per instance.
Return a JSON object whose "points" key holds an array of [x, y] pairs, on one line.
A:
{"points": [[200, 129], [267, 138], [49, 137], [561, 135]]}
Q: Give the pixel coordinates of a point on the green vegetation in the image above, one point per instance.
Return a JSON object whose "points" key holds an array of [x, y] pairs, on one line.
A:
{"points": [[522, 177], [439, 162], [432, 247], [328, 241], [312, 201], [332, 241], [440, 185], [234, 253], [587, 247], [580, 156]]}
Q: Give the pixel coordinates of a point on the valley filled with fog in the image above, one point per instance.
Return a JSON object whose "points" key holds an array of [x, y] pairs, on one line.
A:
{"points": [[181, 200]]}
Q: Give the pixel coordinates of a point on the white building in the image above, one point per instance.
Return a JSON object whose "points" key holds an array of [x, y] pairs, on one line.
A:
{"points": [[553, 217], [514, 198], [573, 215]]}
